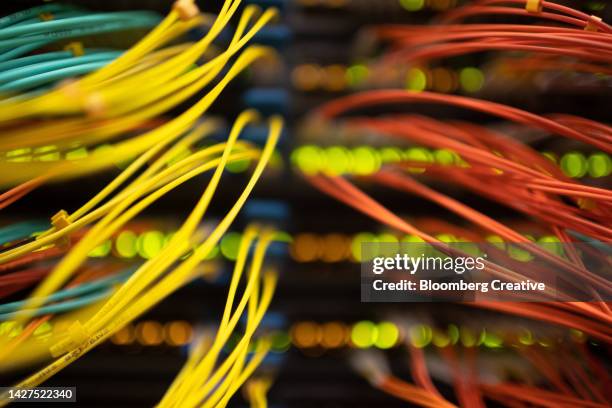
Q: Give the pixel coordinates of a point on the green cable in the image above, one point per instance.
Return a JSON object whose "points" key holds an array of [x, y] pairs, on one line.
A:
{"points": [[61, 307], [23, 49], [72, 292], [73, 22], [47, 77], [47, 66], [20, 230], [49, 37], [34, 11]]}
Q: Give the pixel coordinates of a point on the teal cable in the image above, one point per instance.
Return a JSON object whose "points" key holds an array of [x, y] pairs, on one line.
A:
{"points": [[74, 22], [45, 38], [19, 230], [34, 11], [35, 69], [72, 292], [43, 79], [21, 50], [45, 57], [61, 307]]}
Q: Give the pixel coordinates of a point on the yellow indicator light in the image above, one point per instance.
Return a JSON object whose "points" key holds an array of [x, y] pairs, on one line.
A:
{"points": [[125, 244], [150, 244], [416, 80], [102, 250], [364, 334], [357, 241], [471, 79], [388, 335], [366, 160], [412, 5], [356, 75], [309, 159], [420, 335]]}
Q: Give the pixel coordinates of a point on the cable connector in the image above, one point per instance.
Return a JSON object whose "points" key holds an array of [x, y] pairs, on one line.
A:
{"points": [[77, 335], [591, 24], [76, 47], [59, 222], [186, 9], [534, 6], [95, 105]]}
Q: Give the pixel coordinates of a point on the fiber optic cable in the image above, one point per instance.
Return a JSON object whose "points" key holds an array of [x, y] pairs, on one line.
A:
{"points": [[71, 292], [170, 283]]}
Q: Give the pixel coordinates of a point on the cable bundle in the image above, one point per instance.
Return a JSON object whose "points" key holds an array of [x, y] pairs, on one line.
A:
{"points": [[496, 167], [133, 90], [201, 384]]}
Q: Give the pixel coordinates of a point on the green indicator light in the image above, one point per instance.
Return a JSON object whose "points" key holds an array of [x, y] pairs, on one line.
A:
{"points": [[445, 157], [526, 338], [364, 334], [281, 341], [412, 5], [416, 80], [468, 339], [125, 244], [471, 79], [453, 333], [238, 166], [574, 164], [491, 340], [420, 335], [519, 254], [365, 160], [418, 154], [150, 244], [390, 247], [440, 339], [552, 244], [213, 253], [356, 75], [358, 240], [101, 250], [497, 241], [230, 244], [388, 335], [77, 154], [390, 155], [309, 159], [600, 165], [338, 160], [415, 246]]}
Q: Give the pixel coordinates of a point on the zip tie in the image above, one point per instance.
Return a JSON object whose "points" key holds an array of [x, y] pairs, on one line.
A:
{"points": [[46, 16], [59, 222], [95, 105], [534, 6], [76, 47], [591, 26], [77, 335], [186, 9]]}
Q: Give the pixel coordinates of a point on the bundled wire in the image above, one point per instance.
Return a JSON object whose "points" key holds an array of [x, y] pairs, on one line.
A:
{"points": [[143, 83], [162, 159], [203, 381], [496, 167], [28, 30]]}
